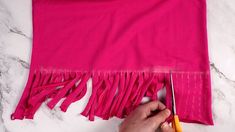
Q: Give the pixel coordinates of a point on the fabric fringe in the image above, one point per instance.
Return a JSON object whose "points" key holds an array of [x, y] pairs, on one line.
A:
{"points": [[113, 94]]}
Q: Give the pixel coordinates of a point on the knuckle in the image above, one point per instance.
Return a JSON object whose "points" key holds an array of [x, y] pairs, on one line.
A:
{"points": [[157, 101], [139, 109]]}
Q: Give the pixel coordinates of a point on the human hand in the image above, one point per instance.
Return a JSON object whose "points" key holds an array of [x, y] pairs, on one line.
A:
{"points": [[142, 119]]}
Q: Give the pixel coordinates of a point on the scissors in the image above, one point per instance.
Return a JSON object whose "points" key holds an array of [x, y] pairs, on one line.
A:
{"points": [[175, 121]]}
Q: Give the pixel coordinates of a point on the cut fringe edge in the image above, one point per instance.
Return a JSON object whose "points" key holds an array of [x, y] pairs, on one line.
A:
{"points": [[113, 94]]}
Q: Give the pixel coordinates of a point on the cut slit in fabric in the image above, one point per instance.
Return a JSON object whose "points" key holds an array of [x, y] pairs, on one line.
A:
{"points": [[126, 48]]}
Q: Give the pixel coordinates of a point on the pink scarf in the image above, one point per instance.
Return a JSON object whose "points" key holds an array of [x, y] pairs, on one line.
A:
{"points": [[126, 47]]}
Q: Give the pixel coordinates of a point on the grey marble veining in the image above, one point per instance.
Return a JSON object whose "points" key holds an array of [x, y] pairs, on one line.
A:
{"points": [[15, 51]]}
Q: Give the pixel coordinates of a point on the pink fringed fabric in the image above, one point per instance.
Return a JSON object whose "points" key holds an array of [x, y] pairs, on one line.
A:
{"points": [[126, 48]]}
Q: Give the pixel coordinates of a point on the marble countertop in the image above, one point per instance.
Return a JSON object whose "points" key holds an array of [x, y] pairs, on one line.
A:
{"points": [[15, 51]]}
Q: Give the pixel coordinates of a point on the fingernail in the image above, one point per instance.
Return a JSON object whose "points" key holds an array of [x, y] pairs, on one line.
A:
{"points": [[168, 112], [165, 124]]}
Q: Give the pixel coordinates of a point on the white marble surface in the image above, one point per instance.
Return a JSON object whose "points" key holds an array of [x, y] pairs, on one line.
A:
{"points": [[15, 50]]}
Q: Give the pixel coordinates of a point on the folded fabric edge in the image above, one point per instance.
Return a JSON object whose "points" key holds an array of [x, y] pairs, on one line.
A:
{"points": [[113, 93]]}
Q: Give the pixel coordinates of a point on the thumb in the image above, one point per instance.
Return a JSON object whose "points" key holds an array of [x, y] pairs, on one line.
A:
{"points": [[159, 118]]}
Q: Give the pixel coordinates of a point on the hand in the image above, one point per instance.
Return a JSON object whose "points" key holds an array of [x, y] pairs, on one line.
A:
{"points": [[143, 120]]}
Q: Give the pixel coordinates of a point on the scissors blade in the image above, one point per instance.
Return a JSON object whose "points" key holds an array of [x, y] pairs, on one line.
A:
{"points": [[173, 94]]}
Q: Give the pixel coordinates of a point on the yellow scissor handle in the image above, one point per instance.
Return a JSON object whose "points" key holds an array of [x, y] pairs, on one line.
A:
{"points": [[176, 124]]}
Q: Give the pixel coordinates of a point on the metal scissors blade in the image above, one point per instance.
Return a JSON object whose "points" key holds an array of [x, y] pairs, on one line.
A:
{"points": [[173, 93]]}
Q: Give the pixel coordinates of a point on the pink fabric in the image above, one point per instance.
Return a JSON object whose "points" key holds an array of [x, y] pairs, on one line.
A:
{"points": [[127, 48]]}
